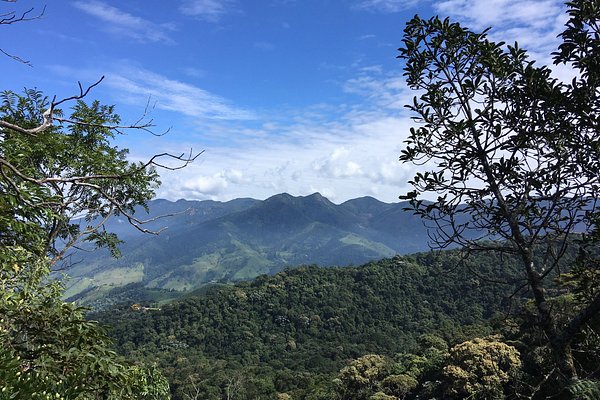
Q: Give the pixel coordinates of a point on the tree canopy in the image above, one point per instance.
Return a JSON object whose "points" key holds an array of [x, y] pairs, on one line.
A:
{"points": [[511, 152], [59, 182]]}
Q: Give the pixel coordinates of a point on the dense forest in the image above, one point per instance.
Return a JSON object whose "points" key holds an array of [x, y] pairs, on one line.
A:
{"points": [[300, 333], [509, 181]]}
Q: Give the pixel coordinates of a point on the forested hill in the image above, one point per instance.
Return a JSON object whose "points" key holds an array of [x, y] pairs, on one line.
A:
{"points": [[292, 332], [211, 241]]}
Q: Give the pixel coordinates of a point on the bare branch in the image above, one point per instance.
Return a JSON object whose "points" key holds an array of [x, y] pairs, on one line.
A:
{"points": [[81, 95], [12, 17], [16, 58], [49, 117]]}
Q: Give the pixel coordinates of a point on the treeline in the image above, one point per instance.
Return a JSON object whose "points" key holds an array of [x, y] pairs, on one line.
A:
{"points": [[292, 334]]}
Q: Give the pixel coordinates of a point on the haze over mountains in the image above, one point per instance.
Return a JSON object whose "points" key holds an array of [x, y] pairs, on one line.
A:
{"points": [[209, 241]]}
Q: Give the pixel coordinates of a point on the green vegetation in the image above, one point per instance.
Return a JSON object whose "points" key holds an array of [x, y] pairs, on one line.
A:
{"points": [[516, 156], [431, 326], [292, 332], [239, 240], [511, 153], [49, 174]]}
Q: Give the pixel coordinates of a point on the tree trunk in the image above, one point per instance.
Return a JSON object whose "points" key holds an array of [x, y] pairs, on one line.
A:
{"points": [[563, 357], [560, 341]]}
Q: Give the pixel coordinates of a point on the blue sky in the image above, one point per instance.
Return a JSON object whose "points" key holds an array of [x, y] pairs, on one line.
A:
{"points": [[294, 96]]}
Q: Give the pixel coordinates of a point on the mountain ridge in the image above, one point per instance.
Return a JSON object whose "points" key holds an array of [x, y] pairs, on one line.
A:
{"points": [[210, 241]]}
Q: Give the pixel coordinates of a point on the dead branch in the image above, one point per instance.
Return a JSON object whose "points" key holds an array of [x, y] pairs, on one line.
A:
{"points": [[12, 17], [16, 58], [67, 189], [49, 117]]}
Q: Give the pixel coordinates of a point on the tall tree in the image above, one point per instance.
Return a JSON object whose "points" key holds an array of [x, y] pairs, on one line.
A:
{"points": [[511, 153]]}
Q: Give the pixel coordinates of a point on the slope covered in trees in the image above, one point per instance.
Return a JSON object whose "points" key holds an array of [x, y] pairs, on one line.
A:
{"points": [[292, 332], [209, 241], [430, 324]]}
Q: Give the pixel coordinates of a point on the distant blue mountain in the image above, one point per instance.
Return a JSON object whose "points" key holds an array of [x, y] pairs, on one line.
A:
{"points": [[208, 241]]}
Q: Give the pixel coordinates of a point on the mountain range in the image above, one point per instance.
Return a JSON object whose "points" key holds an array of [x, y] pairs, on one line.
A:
{"points": [[205, 242]]}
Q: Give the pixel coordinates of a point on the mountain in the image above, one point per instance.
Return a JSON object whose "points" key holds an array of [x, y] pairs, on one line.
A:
{"points": [[209, 241]]}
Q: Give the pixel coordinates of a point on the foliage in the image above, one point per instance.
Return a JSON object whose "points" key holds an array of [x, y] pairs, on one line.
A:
{"points": [[145, 384], [400, 385], [48, 177], [364, 374], [512, 151], [296, 330], [585, 389], [60, 186], [481, 368], [293, 333], [381, 396]]}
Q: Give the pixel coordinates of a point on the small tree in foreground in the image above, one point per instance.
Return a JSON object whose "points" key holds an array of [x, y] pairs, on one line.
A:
{"points": [[513, 154]]}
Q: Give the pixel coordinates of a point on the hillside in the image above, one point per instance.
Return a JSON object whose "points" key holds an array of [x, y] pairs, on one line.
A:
{"points": [[292, 332], [208, 242]]}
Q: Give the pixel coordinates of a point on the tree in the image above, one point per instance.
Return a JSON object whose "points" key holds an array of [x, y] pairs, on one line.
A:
{"points": [[65, 175], [364, 375], [60, 180], [511, 153], [480, 368]]}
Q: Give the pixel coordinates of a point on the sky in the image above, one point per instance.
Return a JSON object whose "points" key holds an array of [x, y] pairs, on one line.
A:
{"points": [[295, 96]]}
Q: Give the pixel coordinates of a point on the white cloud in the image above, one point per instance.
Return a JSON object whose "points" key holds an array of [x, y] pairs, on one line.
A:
{"points": [[205, 185], [386, 5], [136, 85], [121, 23], [534, 24], [338, 164], [342, 151], [202, 186], [388, 92], [366, 36], [343, 158], [210, 10], [479, 14]]}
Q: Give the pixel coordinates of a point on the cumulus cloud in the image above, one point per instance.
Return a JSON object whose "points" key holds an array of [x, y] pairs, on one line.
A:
{"points": [[342, 159], [205, 185], [341, 151], [338, 164], [202, 186], [358, 164], [123, 24]]}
